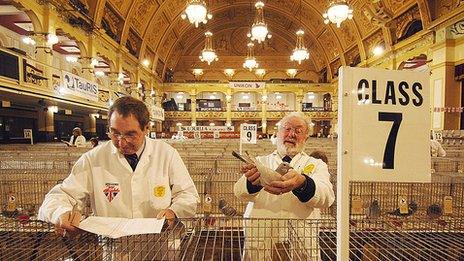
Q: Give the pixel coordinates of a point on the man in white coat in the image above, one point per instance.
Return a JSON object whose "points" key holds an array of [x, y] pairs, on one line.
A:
{"points": [[132, 176], [299, 194], [77, 139]]}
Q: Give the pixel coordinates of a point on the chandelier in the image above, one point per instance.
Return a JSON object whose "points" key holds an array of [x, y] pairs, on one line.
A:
{"points": [[208, 55], [196, 12], [337, 13], [259, 29], [250, 61], [300, 52]]}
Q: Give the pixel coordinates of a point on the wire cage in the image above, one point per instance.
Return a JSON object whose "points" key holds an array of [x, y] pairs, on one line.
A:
{"points": [[241, 239]]}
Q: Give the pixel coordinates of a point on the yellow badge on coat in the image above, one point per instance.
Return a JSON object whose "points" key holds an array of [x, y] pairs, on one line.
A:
{"points": [[308, 169], [159, 191]]}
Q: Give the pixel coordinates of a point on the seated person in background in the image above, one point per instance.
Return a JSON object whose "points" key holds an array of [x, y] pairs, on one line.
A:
{"points": [[319, 154], [94, 142], [77, 139], [300, 193], [132, 176], [436, 150]]}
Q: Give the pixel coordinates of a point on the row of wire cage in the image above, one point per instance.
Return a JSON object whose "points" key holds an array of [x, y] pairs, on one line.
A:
{"points": [[222, 238], [389, 221]]}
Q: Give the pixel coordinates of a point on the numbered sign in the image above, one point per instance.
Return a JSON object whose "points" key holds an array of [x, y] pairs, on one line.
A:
{"points": [[248, 133], [438, 136], [385, 125], [216, 135], [28, 135], [197, 135], [153, 134]]}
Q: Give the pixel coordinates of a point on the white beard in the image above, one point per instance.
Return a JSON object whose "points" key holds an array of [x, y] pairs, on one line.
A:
{"points": [[291, 151]]}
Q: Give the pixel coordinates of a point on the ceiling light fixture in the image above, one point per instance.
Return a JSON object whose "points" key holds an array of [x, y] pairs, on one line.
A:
{"points": [[338, 12], [196, 12], [229, 72], [292, 73], [300, 53], [259, 29], [208, 54], [250, 61]]}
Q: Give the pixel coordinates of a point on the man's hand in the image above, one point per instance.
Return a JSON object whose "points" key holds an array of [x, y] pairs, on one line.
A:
{"points": [[290, 181], [68, 223], [251, 173], [169, 215]]}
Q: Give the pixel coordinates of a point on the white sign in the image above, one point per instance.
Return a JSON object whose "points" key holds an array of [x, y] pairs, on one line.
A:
{"points": [[207, 128], [197, 135], [79, 86], [157, 113], [438, 135], [247, 85], [216, 135], [28, 135], [384, 123], [248, 133], [153, 134]]}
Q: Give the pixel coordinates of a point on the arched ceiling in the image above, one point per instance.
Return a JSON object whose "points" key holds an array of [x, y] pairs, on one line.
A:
{"points": [[153, 29]]}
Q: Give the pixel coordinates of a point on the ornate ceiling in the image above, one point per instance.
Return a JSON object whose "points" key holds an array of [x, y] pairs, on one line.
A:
{"points": [[154, 30]]}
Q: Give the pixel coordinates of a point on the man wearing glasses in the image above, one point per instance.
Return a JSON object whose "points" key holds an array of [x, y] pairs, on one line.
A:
{"points": [[300, 193], [132, 176]]}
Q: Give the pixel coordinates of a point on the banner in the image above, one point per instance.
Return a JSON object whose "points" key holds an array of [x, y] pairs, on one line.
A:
{"points": [[79, 86], [247, 85], [157, 113], [207, 128]]}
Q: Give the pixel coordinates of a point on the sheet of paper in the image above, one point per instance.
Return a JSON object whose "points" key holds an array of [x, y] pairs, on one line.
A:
{"points": [[120, 227]]}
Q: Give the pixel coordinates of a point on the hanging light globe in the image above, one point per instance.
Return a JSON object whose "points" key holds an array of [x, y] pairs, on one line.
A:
{"points": [[300, 53], [337, 13], [208, 54], [250, 61], [259, 29], [196, 12]]}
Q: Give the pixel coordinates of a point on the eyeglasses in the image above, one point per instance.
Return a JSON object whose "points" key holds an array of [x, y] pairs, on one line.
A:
{"points": [[126, 137], [297, 130]]}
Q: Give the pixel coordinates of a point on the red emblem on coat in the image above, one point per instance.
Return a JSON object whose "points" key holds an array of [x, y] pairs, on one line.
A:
{"points": [[111, 191]]}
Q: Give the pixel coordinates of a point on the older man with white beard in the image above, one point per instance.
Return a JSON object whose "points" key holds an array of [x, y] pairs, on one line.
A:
{"points": [[300, 193]]}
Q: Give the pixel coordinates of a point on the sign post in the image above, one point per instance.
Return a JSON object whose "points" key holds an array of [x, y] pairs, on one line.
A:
{"points": [[384, 120], [247, 134], [28, 135]]}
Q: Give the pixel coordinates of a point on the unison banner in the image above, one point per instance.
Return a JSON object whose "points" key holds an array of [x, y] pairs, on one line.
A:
{"points": [[247, 85]]}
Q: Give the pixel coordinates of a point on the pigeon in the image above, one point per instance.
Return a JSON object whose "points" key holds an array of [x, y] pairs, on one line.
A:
{"points": [[434, 211], [226, 209], [412, 208], [374, 209]]}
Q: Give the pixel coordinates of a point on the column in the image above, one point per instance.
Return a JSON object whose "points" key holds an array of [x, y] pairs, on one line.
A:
{"points": [[193, 108], [299, 102], [46, 124], [90, 126], [229, 108], [264, 111]]}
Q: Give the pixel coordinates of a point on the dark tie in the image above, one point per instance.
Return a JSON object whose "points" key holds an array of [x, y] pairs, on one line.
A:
{"points": [[133, 160], [287, 159]]}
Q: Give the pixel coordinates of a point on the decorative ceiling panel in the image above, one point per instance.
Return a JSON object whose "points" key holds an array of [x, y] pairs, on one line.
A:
{"points": [[174, 8], [157, 30], [328, 40], [122, 6], [164, 48], [142, 13]]}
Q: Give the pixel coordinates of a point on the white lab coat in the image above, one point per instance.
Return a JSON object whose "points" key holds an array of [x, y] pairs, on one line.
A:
{"points": [[80, 141], [436, 150], [286, 206], [160, 181]]}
